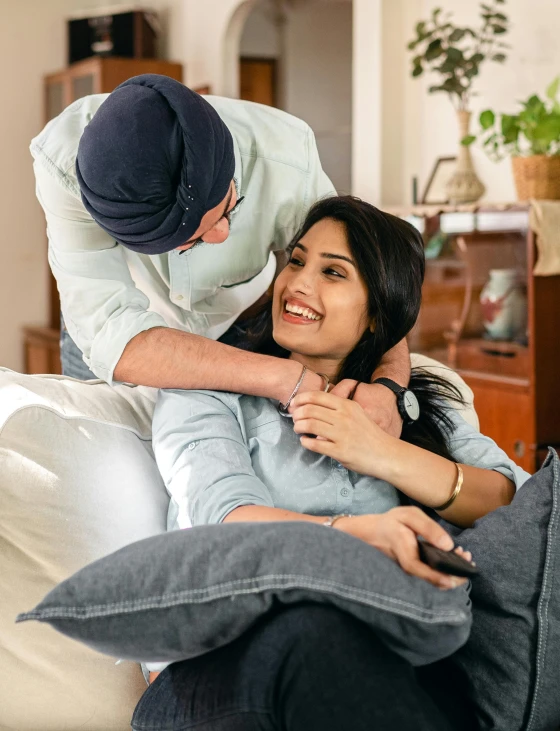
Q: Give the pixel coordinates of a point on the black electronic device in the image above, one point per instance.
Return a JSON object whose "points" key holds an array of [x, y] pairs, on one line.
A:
{"points": [[130, 34], [448, 562]]}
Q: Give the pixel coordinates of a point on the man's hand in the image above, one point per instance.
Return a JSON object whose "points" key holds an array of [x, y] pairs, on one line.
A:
{"points": [[379, 403]]}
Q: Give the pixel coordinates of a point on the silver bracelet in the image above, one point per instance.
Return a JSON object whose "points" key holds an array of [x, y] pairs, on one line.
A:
{"points": [[283, 408], [329, 522]]}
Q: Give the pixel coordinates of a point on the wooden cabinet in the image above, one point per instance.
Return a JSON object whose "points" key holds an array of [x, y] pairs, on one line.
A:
{"points": [[95, 75], [515, 384]]}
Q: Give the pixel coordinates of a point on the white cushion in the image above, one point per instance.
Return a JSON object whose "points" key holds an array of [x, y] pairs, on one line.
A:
{"points": [[77, 481], [467, 412]]}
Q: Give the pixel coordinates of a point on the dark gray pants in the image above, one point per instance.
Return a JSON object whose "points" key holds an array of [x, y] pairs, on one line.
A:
{"points": [[302, 668]]}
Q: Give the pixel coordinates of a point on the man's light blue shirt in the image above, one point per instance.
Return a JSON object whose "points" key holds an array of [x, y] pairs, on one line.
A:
{"points": [[110, 294]]}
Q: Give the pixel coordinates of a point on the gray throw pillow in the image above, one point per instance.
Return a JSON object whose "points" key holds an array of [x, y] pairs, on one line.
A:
{"points": [[510, 665], [178, 595]]}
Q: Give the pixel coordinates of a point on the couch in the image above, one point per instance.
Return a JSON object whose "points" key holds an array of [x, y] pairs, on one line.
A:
{"points": [[78, 480]]}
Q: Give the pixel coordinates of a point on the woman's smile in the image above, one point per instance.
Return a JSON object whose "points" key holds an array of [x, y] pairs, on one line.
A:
{"points": [[297, 312]]}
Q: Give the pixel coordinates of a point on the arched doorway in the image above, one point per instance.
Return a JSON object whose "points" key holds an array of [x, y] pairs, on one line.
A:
{"points": [[297, 54]]}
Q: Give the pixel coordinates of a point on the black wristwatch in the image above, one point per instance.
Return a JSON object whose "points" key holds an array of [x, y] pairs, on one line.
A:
{"points": [[407, 403]]}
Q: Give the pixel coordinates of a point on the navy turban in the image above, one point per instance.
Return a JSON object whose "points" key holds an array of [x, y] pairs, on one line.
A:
{"points": [[153, 160]]}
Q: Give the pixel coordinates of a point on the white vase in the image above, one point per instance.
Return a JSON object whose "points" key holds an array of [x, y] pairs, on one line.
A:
{"points": [[504, 305], [464, 186]]}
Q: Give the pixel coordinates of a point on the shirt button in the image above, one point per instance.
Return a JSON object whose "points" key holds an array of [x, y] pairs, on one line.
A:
{"points": [[345, 492], [179, 297], [192, 445]]}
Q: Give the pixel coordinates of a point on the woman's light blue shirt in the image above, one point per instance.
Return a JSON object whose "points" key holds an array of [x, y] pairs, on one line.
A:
{"points": [[217, 451]]}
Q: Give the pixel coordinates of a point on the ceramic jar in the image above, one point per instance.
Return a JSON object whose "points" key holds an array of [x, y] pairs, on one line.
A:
{"points": [[504, 305]]}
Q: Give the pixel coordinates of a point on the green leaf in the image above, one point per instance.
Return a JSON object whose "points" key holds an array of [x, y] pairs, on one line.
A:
{"points": [[552, 89], [435, 13], [468, 140], [420, 28], [434, 50], [501, 16], [454, 54], [477, 58], [471, 72], [447, 67], [412, 45], [510, 128], [417, 71], [498, 29], [534, 105], [457, 35], [487, 119], [433, 89], [500, 57]]}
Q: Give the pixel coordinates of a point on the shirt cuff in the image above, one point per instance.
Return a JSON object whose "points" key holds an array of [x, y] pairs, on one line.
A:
{"points": [[109, 344]]}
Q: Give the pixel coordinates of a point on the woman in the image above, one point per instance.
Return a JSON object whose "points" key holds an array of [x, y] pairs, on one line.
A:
{"points": [[351, 290]]}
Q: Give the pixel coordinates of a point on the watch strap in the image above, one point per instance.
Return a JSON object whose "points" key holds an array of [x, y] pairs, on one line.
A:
{"points": [[393, 385]]}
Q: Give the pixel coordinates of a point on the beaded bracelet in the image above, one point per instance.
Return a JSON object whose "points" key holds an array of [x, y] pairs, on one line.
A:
{"points": [[283, 408]]}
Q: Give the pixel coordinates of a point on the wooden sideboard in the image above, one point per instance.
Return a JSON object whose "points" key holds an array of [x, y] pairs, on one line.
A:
{"points": [[515, 384]]}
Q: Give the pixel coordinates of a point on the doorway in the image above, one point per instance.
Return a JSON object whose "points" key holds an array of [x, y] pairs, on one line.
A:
{"points": [[258, 80]]}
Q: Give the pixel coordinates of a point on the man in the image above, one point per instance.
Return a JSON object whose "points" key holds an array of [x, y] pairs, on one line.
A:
{"points": [[130, 182]]}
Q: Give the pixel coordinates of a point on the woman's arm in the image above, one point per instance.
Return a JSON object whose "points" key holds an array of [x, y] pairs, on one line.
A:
{"points": [[350, 437], [395, 533]]}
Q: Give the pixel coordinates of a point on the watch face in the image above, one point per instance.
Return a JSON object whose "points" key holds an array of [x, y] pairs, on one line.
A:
{"points": [[411, 405]]}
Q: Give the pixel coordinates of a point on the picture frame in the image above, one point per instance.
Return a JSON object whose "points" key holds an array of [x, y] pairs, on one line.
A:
{"points": [[434, 192]]}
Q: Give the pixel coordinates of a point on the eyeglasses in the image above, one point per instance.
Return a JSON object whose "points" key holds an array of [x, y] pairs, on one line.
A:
{"points": [[226, 216]]}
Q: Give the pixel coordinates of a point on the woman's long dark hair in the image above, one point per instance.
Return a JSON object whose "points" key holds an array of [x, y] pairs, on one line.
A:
{"points": [[389, 254]]}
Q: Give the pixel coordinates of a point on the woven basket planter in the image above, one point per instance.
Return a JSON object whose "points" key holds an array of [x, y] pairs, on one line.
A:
{"points": [[537, 176]]}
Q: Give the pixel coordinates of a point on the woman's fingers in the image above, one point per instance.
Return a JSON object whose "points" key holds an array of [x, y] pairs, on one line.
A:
{"points": [[327, 400], [314, 426], [423, 526], [467, 555], [409, 559], [313, 411]]}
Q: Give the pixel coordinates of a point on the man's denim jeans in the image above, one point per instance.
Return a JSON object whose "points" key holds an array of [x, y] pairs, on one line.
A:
{"points": [[71, 357]]}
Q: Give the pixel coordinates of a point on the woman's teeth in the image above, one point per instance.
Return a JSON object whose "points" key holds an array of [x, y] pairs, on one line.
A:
{"points": [[302, 311]]}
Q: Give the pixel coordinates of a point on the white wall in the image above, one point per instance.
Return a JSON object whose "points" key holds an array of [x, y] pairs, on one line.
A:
{"points": [[316, 71], [261, 33], [34, 45], [428, 129]]}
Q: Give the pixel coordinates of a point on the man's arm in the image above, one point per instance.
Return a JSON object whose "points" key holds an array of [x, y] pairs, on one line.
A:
{"points": [[169, 358], [378, 401], [395, 364]]}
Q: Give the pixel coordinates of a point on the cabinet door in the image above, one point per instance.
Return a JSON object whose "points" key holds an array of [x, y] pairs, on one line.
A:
{"points": [[506, 416], [83, 86], [55, 99]]}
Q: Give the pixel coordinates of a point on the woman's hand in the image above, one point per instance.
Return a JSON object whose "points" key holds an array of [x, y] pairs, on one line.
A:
{"points": [[395, 533], [378, 402], [345, 432]]}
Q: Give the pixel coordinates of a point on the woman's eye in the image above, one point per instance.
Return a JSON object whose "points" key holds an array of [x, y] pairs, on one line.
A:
{"points": [[334, 272], [295, 261]]}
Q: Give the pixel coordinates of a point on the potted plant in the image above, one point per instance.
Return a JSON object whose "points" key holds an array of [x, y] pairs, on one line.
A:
{"points": [[532, 139], [456, 54]]}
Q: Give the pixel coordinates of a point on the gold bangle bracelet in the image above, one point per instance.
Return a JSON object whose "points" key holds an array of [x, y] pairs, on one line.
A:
{"points": [[456, 491]]}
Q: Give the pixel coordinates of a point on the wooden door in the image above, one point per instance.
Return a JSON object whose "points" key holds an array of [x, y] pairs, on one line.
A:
{"points": [[257, 80]]}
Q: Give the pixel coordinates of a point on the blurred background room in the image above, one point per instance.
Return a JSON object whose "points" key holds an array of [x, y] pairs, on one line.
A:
{"points": [[443, 111]]}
